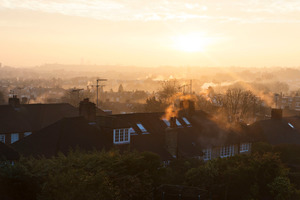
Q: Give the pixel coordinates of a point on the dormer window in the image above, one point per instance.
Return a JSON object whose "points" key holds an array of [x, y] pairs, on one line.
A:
{"points": [[122, 136], [142, 128], [167, 122], [187, 122]]}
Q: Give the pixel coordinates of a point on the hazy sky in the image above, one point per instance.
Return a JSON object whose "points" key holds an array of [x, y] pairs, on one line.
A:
{"points": [[150, 32]]}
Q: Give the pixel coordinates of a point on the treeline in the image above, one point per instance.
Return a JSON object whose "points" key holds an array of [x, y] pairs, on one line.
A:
{"points": [[115, 176]]}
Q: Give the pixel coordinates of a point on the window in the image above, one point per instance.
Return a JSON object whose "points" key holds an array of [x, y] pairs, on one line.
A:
{"points": [[187, 122], [2, 138], [14, 137], [207, 154], [291, 125], [142, 128], [178, 123], [27, 133], [227, 151], [167, 122], [121, 136], [245, 147]]}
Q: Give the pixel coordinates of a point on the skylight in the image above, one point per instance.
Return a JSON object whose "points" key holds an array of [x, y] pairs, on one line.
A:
{"points": [[186, 121], [178, 123], [167, 122], [142, 128], [291, 125]]}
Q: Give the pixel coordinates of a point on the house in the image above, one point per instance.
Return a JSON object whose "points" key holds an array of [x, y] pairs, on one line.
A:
{"points": [[61, 137], [278, 129], [20, 120], [189, 133]]}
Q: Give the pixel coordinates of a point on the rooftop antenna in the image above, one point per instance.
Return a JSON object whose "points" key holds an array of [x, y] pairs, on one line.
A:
{"points": [[99, 80]]}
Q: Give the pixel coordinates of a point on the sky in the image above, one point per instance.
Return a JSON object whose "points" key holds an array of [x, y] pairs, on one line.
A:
{"points": [[251, 33]]}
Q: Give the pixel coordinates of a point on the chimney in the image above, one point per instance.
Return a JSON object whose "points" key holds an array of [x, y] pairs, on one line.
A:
{"points": [[14, 101], [276, 114], [87, 109], [187, 107], [171, 138]]}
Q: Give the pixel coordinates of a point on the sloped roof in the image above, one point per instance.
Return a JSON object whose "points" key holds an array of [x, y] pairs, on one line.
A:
{"points": [[202, 132], [42, 115], [277, 131], [8, 153], [11, 121], [61, 136], [33, 117]]}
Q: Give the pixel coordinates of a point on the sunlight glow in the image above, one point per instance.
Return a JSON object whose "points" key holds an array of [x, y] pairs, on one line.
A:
{"points": [[191, 42]]}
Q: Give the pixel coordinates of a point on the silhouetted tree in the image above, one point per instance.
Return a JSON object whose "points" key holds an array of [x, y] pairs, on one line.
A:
{"points": [[2, 99]]}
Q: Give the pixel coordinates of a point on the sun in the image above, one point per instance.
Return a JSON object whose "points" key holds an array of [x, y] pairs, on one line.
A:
{"points": [[191, 42]]}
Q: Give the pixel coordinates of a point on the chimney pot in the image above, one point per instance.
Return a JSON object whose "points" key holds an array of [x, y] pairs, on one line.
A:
{"points": [[87, 109], [276, 114]]}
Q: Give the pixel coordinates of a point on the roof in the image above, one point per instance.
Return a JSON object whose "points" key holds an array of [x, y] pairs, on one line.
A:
{"points": [[62, 136], [7, 152], [285, 131], [194, 132], [42, 115], [11, 121], [33, 117]]}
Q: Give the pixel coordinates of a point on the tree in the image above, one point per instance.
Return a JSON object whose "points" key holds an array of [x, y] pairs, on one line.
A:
{"points": [[164, 97], [154, 105], [81, 175], [242, 177], [238, 103], [168, 90], [74, 96]]}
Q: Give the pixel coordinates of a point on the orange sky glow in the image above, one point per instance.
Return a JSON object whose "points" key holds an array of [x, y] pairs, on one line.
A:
{"points": [[150, 33]]}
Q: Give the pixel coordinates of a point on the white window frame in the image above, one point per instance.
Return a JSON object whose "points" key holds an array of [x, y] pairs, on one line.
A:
{"points": [[2, 138], [226, 151], [122, 136], [142, 128], [27, 134], [206, 154], [245, 147], [14, 137]]}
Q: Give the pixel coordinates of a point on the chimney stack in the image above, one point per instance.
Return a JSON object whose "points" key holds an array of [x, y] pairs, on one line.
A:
{"points": [[171, 138], [14, 101], [276, 114], [187, 107], [87, 109]]}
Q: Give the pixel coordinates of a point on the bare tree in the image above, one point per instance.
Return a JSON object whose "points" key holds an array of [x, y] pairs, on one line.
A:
{"points": [[239, 103], [169, 89]]}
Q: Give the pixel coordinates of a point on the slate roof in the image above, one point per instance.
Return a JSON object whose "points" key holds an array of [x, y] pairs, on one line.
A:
{"points": [[277, 131], [66, 134], [42, 115], [11, 121], [33, 117], [8, 153], [202, 132]]}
